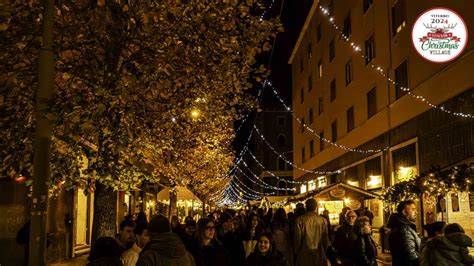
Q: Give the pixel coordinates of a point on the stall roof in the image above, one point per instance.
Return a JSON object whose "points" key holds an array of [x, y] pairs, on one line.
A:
{"points": [[339, 191], [183, 194]]}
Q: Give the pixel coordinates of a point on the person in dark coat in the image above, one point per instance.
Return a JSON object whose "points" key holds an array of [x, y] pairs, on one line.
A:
{"points": [[206, 249], [230, 241], [265, 253], [450, 249], [189, 233], [403, 240], [345, 237], [165, 248], [176, 226], [253, 230], [105, 251], [365, 250]]}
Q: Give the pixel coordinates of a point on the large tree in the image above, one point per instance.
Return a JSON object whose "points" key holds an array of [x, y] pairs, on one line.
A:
{"points": [[137, 84]]}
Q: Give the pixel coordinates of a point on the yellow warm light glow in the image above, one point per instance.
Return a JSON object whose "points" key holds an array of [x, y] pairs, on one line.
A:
{"points": [[353, 183], [374, 181], [303, 189], [404, 170], [347, 200], [195, 113]]}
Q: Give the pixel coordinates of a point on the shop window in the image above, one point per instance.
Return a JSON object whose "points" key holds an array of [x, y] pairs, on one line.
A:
{"points": [[404, 163], [398, 17]]}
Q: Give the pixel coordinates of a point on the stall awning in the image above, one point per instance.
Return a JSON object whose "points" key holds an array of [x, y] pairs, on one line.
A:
{"points": [[183, 194], [338, 191]]}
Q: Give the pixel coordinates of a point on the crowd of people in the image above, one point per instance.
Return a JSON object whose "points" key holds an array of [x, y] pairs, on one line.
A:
{"points": [[253, 237]]}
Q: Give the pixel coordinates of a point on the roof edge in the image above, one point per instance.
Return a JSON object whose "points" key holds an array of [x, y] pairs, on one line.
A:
{"points": [[303, 31]]}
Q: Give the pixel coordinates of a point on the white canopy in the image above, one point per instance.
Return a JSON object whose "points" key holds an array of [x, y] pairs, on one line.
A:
{"points": [[183, 194]]}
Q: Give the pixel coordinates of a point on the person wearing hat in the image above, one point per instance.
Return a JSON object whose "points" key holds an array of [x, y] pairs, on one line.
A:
{"points": [[164, 248], [230, 240]]}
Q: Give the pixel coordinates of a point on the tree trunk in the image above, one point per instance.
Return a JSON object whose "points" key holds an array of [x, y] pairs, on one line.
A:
{"points": [[105, 212]]}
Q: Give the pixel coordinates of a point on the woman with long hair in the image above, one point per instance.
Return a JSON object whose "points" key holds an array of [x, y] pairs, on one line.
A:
{"points": [[206, 250], [265, 253], [249, 237], [281, 234]]}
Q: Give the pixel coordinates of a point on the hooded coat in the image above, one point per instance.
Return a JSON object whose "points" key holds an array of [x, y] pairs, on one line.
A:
{"points": [[165, 249], [450, 249], [403, 240]]}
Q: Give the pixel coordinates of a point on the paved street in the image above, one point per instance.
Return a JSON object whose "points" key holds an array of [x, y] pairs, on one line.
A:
{"points": [[79, 261]]}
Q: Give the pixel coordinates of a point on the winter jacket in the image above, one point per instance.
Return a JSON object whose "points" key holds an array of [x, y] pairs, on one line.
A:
{"points": [[311, 239], [365, 251], [212, 255], [282, 238], [344, 240], [165, 249], [234, 246], [276, 258], [403, 240], [450, 249]]}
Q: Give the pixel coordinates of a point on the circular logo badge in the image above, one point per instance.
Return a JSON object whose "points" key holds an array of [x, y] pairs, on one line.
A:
{"points": [[439, 35]]}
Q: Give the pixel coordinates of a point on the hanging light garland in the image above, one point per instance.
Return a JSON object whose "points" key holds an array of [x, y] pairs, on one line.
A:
{"points": [[379, 69]]}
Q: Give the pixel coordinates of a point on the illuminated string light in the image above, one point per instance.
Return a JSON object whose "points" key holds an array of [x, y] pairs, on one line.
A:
{"points": [[245, 193], [270, 172], [317, 135], [250, 189], [380, 70], [263, 183], [290, 162]]}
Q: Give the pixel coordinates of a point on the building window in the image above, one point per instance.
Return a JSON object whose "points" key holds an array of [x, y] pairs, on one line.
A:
{"points": [[347, 30], [302, 125], [331, 8], [310, 116], [333, 90], [281, 164], [320, 69], [301, 65], [302, 155], [318, 33], [369, 49], [334, 131], [310, 50], [367, 4], [371, 103], [281, 121], [320, 105], [302, 94], [310, 82], [349, 75], [398, 17], [404, 163], [350, 119], [311, 149], [281, 140], [401, 79], [332, 50], [321, 141]]}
